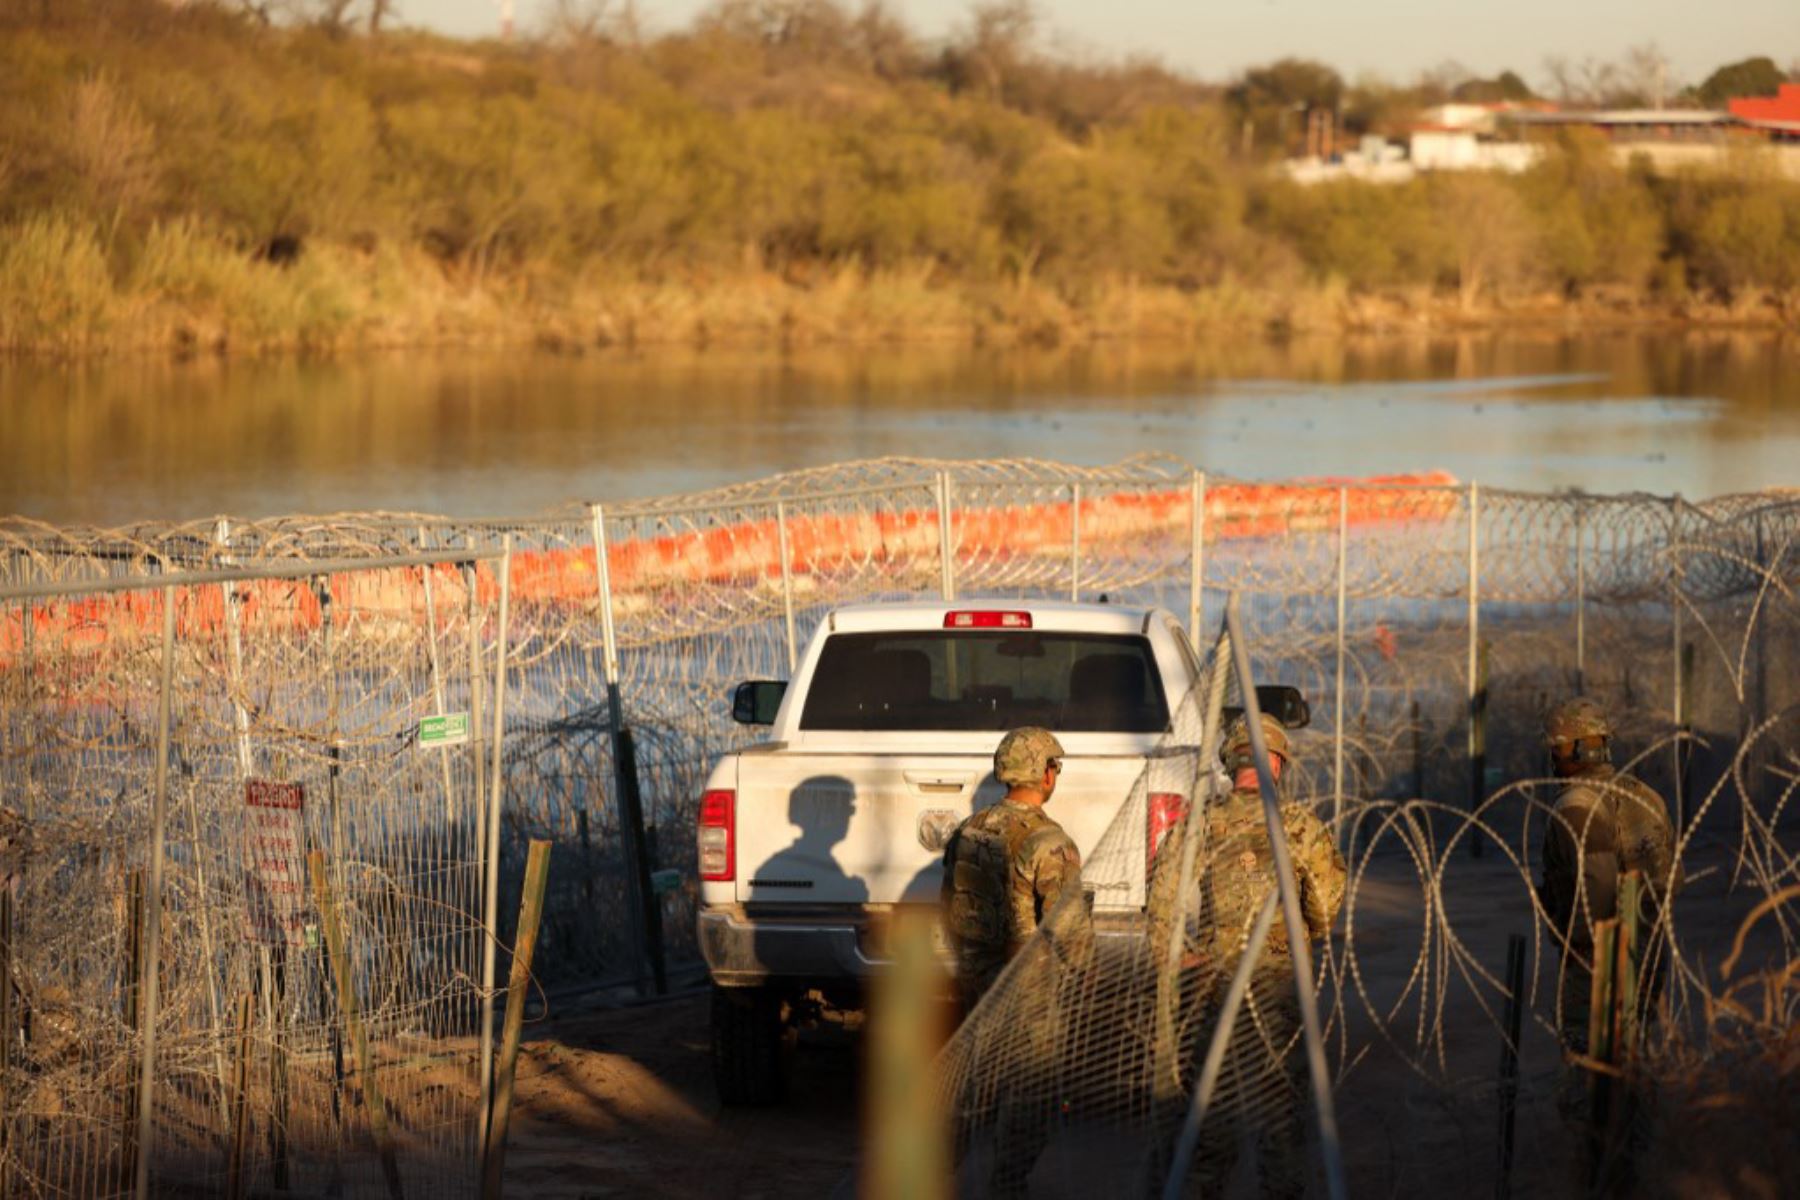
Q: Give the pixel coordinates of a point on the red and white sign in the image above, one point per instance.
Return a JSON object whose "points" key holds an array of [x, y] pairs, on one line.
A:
{"points": [[275, 862]]}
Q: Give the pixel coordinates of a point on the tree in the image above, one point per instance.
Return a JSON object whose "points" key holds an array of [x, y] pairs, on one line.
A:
{"points": [[885, 41], [334, 16], [1487, 232], [1288, 83], [1645, 75], [1274, 97], [1000, 37], [1591, 81], [1506, 86], [1440, 83], [1751, 77]]}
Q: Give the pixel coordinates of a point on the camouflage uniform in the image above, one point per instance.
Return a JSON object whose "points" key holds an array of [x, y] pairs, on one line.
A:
{"points": [[1262, 1080], [1007, 871], [1004, 870], [1605, 824]]}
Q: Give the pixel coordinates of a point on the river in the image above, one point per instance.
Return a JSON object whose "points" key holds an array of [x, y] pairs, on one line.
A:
{"points": [[499, 434]]}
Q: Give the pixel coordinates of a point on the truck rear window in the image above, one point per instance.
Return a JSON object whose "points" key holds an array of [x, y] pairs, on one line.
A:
{"points": [[925, 680]]}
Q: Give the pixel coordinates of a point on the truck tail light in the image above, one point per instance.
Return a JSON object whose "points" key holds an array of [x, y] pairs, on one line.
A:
{"points": [[1166, 808], [718, 841], [987, 620]]}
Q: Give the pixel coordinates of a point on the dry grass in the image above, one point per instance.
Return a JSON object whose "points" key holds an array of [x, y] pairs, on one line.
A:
{"points": [[186, 288]]}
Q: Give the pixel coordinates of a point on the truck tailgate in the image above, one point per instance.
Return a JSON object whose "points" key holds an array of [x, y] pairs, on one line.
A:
{"points": [[869, 829]]}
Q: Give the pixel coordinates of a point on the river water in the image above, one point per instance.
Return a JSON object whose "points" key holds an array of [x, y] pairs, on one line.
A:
{"points": [[503, 434]]}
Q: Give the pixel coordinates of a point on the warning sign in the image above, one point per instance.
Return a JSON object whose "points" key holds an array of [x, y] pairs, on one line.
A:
{"points": [[275, 862]]}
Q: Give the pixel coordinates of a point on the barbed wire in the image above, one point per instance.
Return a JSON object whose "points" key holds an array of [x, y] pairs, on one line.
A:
{"points": [[1682, 617]]}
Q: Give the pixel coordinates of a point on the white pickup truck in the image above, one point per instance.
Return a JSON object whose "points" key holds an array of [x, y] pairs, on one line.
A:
{"points": [[880, 746]]}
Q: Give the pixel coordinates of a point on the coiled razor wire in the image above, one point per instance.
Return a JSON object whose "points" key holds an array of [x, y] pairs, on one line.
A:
{"points": [[1681, 617]]}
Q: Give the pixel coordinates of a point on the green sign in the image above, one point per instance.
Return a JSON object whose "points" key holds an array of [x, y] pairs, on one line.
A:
{"points": [[665, 881], [451, 729]]}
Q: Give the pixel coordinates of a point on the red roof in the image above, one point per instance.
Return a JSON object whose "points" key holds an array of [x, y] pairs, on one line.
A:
{"points": [[1784, 106]]}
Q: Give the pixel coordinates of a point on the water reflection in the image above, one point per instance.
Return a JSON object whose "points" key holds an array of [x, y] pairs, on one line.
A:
{"points": [[468, 433]]}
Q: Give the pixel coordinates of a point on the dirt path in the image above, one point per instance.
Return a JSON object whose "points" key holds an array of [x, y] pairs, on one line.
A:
{"points": [[621, 1103]]}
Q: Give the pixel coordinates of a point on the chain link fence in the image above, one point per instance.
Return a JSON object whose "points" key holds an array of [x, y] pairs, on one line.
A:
{"points": [[371, 680]]}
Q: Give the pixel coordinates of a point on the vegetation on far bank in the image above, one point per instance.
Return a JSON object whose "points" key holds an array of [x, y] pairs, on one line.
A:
{"points": [[785, 170]]}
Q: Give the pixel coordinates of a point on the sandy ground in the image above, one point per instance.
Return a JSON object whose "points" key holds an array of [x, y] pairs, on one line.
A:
{"points": [[619, 1101]]}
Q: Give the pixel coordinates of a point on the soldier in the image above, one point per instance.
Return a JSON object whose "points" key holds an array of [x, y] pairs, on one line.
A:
{"points": [[1234, 871], [1008, 870], [1007, 867], [1605, 824]]}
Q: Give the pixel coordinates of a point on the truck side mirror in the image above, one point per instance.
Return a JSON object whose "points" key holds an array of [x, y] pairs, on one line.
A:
{"points": [[757, 702]]}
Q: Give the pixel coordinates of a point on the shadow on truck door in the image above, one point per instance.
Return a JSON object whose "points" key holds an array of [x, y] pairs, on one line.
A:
{"points": [[807, 871]]}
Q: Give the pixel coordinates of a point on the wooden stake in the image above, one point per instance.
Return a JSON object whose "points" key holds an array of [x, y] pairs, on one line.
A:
{"points": [[240, 1094], [531, 912], [276, 981], [352, 1014], [1625, 970], [134, 955], [909, 1159]]}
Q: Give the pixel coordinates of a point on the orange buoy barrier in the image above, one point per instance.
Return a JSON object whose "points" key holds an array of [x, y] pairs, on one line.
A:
{"points": [[641, 568]]}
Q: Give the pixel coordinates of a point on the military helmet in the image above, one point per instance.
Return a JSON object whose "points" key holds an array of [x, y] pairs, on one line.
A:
{"points": [[1235, 752], [1575, 719], [1024, 755]]}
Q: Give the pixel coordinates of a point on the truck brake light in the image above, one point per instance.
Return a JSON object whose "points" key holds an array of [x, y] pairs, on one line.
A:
{"points": [[718, 828], [987, 620], [1166, 808]]}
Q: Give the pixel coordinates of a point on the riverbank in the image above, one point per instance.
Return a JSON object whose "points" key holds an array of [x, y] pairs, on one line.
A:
{"points": [[190, 294], [190, 180]]}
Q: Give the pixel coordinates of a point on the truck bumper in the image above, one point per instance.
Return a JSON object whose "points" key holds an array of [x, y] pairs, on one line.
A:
{"points": [[741, 952]]}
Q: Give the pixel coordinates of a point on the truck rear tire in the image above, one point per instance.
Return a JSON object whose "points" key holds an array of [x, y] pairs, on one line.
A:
{"points": [[747, 1036]]}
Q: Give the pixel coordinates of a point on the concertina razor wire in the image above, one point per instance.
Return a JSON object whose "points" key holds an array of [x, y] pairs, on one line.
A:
{"points": [[1453, 615]]}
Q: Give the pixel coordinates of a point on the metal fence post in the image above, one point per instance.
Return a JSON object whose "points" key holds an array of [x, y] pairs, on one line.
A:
{"points": [[472, 873], [1760, 635], [1197, 555], [234, 646], [1676, 707], [491, 897], [1337, 764], [787, 586], [26, 640], [1477, 699], [1580, 601], [1299, 948], [477, 780], [6, 1039], [631, 824], [946, 551], [1509, 1060], [1075, 542], [146, 1126], [334, 752], [437, 679]]}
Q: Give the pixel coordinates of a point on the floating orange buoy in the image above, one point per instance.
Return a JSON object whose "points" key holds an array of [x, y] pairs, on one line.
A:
{"points": [[743, 552]]}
